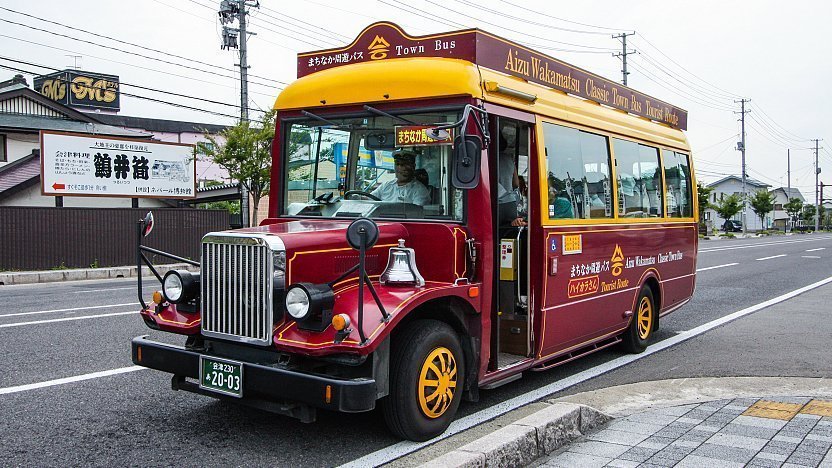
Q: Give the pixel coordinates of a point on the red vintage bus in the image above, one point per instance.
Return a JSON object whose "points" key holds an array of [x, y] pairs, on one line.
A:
{"points": [[446, 213]]}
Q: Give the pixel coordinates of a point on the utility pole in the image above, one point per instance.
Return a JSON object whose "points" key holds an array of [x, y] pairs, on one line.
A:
{"points": [[789, 179], [817, 173], [231, 10], [623, 54], [741, 147]]}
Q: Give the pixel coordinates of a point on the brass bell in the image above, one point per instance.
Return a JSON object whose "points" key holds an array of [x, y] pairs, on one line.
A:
{"points": [[401, 268]]}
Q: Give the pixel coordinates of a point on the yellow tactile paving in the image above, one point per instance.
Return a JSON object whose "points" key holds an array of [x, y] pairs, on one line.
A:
{"points": [[773, 410], [818, 408]]}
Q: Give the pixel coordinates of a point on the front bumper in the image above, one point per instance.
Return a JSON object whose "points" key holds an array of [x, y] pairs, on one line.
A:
{"points": [[264, 382]]}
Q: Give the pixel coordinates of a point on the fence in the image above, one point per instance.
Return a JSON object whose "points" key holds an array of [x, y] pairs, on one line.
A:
{"points": [[46, 238]]}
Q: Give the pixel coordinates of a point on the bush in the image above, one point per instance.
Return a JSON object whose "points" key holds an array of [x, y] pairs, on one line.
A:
{"points": [[728, 235]]}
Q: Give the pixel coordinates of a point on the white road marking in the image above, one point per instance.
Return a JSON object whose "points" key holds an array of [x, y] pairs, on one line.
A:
{"points": [[810, 256], [773, 256], [815, 250], [9, 325], [401, 449], [715, 267], [55, 311], [763, 244], [112, 289], [77, 378]]}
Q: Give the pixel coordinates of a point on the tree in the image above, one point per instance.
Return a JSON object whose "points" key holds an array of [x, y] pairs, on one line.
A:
{"points": [[808, 214], [793, 207], [728, 206], [704, 204], [246, 155], [762, 203]]}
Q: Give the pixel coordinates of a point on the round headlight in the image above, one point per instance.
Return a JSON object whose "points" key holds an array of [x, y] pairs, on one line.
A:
{"points": [[172, 286], [297, 302]]}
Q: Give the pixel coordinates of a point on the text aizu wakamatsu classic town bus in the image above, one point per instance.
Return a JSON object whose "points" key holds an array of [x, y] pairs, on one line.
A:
{"points": [[512, 212]]}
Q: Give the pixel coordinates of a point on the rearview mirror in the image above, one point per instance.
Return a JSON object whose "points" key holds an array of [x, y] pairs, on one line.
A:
{"points": [[380, 141], [467, 155]]}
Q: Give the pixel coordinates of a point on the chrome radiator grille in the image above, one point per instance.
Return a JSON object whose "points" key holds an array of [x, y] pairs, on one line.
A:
{"points": [[236, 288]]}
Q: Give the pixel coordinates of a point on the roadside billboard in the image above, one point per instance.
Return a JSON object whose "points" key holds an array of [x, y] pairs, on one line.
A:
{"points": [[87, 165], [82, 89]]}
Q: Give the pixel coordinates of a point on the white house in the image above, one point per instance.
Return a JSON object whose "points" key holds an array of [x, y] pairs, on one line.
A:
{"points": [[782, 195], [733, 185]]}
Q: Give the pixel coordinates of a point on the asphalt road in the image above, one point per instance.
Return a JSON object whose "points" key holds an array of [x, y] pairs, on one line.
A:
{"points": [[133, 418]]}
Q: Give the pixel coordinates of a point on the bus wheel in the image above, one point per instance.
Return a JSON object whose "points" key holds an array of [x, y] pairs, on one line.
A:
{"points": [[427, 375], [644, 321]]}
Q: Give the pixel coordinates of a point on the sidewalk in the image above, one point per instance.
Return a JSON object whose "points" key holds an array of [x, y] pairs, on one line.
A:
{"points": [[763, 432], [49, 276]]}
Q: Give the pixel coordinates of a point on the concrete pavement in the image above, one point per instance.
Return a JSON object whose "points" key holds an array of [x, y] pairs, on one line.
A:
{"points": [[77, 274]]}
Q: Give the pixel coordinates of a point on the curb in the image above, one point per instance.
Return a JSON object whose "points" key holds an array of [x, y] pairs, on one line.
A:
{"points": [[51, 276], [527, 439]]}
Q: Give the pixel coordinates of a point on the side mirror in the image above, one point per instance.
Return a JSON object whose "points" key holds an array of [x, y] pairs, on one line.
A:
{"points": [[467, 156], [147, 224]]}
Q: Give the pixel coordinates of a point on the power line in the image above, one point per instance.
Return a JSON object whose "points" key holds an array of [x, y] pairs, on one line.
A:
{"points": [[728, 93], [317, 27], [130, 43], [146, 98], [528, 21], [134, 65], [563, 19], [125, 51], [685, 82], [678, 91], [445, 8], [787, 135]]}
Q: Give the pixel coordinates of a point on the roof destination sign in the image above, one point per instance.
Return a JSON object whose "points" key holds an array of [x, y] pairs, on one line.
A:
{"points": [[384, 41], [86, 165]]}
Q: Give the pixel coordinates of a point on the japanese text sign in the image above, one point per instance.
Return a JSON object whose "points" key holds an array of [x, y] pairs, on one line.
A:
{"points": [[413, 135], [86, 165]]}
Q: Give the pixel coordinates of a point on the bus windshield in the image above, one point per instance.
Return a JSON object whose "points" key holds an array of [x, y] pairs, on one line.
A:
{"points": [[353, 167]]}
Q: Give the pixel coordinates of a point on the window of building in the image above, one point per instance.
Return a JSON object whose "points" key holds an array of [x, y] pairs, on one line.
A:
{"points": [[639, 180], [778, 207], [3, 157], [677, 181], [577, 173]]}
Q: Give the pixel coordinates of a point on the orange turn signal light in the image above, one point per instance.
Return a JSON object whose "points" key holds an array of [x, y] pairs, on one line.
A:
{"points": [[341, 322], [157, 297], [473, 291]]}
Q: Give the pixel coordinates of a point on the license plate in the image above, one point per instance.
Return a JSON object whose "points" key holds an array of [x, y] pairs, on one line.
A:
{"points": [[221, 376]]}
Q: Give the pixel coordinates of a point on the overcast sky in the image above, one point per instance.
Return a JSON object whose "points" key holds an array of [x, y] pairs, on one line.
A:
{"points": [[701, 56]]}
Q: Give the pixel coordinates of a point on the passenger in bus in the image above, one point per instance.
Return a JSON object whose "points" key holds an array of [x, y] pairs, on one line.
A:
{"points": [[404, 188], [507, 185], [433, 192], [559, 205]]}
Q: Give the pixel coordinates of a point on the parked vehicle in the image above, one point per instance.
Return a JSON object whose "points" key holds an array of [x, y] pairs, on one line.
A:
{"points": [[732, 225]]}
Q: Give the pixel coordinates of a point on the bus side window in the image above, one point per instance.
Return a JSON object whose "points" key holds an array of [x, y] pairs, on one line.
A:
{"points": [[677, 184], [578, 173], [639, 180]]}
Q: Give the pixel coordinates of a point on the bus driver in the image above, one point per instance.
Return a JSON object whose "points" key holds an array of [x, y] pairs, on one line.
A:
{"points": [[404, 188]]}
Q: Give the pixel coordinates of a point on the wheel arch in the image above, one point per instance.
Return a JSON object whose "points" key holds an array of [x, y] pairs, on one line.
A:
{"points": [[465, 321]]}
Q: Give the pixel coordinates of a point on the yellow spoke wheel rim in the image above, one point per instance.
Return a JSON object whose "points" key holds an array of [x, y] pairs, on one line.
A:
{"points": [[437, 382], [645, 318]]}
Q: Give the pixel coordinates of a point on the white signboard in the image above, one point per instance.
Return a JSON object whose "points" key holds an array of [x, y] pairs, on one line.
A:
{"points": [[86, 165]]}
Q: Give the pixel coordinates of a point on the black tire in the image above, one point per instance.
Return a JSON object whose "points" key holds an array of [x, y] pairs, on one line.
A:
{"points": [[405, 407], [643, 323]]}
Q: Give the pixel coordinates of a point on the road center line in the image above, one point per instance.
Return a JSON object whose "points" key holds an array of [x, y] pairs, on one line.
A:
{"points": [[773, 256], [403, 448], [55, 311], [815, 250], [715, 267], [810, 256], [66, 380], [9, 325]]}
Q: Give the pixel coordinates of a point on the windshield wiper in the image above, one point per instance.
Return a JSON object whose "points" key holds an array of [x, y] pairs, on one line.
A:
{"points": [[318, 117], [385, 114]]}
